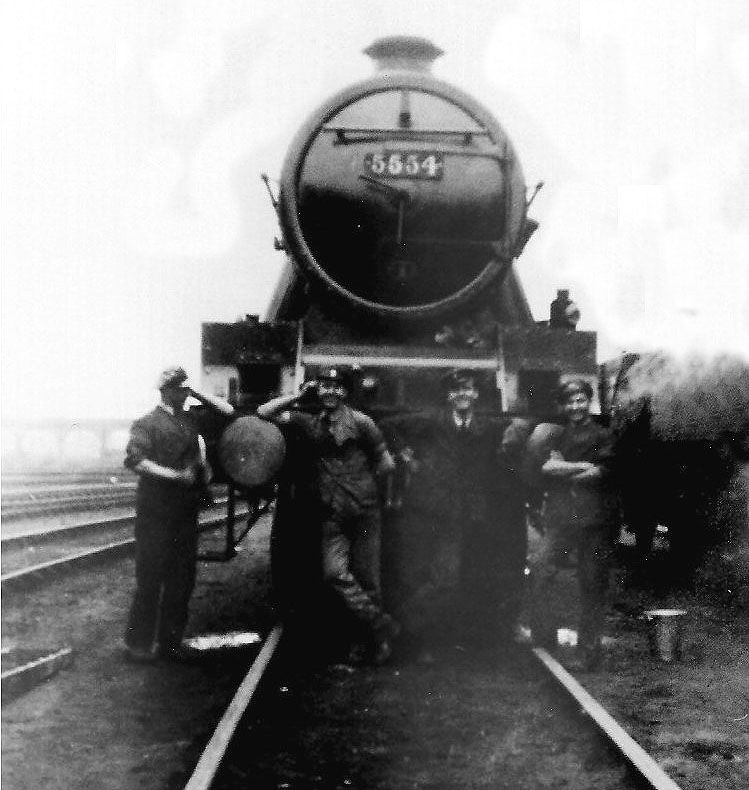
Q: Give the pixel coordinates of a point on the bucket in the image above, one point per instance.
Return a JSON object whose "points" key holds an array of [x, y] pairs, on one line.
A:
{"points": [[664, 632]]}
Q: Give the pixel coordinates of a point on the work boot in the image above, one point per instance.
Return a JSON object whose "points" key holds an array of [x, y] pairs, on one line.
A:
{"points": [[544, 637], [591, 653], [592, 659], [388, 626], [356, 655], [139, 655], [520, 635], [382, 652], [178, 653], [386, 630], [584, 661]]}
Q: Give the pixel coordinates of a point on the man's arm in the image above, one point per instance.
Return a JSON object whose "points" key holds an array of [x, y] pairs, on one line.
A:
{"points": [[184, 477], [604, 459], [271, 408], [512, 448], [385, 462], [373, 442], [595, 473], [221, 405], [138, 448], [556, 466]]}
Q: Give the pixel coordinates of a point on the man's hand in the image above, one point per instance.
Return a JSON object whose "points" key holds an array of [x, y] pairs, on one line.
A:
{"points": [[535, 515], [186, 477], [221, 405], [308, 386], [407, 457], [592, 473], [385, 465], [556, 466]]}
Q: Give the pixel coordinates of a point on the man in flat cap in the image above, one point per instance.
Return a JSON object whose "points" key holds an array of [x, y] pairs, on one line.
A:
{"points": [[574, 465], [347, 452], [167, 453], [462, 530]]}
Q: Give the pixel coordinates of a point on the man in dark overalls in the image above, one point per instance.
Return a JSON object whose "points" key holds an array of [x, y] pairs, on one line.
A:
{"points": [[461, 536], [579, 519], [348, 452], [166, 452]]}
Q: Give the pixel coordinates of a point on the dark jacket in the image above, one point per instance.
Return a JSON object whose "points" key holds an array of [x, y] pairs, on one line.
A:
{"points": [[462, 474], [344, 451], [169, 441], [588, 503]]}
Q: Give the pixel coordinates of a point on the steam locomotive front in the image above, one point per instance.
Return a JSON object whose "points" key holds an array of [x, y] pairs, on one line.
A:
{"points": [[402, 207], [402, 196]]}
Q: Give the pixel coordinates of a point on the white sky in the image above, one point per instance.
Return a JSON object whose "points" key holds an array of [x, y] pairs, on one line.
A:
{"points": [[134, 135]]}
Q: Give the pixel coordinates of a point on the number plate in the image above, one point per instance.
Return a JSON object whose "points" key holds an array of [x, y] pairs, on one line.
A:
{"points": [[405, 164]]}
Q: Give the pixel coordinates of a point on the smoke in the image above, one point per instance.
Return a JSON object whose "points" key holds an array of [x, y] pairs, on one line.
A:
{"points": [[693, 397]]}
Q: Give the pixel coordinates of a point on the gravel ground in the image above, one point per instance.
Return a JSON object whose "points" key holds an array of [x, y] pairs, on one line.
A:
{"points": [[691, 715], [108, 724], [477, 719], [470, 720], [19, 557]]}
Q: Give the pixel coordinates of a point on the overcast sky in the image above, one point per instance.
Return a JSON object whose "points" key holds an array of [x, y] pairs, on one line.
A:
{"points": [[134, 135]]}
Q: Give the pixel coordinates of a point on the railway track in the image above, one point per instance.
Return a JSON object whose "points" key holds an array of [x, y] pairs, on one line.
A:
{"points": [[245, 747], [30, 557], [25, 497], [224, 762], [29, 500], [16, 478]]}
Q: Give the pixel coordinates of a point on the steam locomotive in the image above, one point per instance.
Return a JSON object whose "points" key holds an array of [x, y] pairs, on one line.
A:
{"points": [[402, 208]]}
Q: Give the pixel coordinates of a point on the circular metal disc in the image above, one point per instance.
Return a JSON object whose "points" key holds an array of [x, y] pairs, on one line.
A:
{"points": [[251, 451]]}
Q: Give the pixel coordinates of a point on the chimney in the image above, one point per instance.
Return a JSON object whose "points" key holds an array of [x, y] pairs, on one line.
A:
{"points": [[403, 53]]}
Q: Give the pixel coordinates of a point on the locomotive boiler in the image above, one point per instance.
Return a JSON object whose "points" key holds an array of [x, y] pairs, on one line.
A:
{"points": [[402, 208]]}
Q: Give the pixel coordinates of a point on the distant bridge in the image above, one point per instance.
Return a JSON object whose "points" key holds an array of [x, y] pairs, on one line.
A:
{"points": [[57, 444]]}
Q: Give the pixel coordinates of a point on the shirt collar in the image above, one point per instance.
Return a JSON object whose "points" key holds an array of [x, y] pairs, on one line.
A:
{"points": [[168, 409], [342, 424], [459, 422]]}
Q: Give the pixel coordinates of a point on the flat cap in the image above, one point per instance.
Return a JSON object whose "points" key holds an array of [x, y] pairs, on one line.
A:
{"points": [[340, 375], [171, 377], [456, 378], [572, 387]]}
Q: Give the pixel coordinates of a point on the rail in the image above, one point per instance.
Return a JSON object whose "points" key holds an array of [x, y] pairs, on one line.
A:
{"points": [[33, 574], [647, 771], [625, 745], [32, 501], [213, 754]]}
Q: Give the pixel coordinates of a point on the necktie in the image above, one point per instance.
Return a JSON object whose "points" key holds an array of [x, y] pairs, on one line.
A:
{"points": [[325, 424]]}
